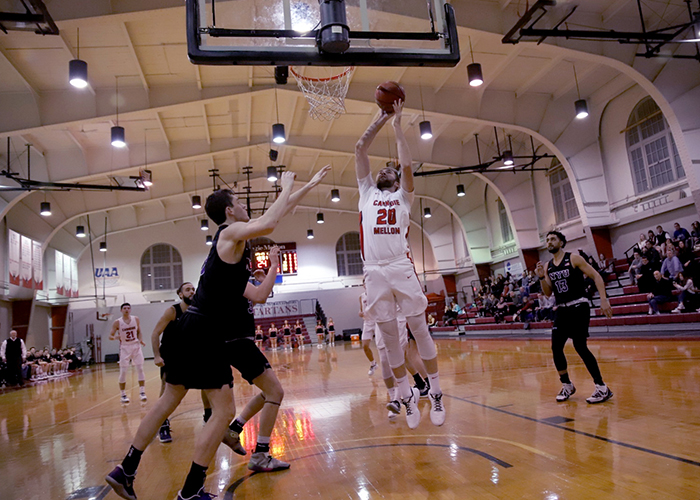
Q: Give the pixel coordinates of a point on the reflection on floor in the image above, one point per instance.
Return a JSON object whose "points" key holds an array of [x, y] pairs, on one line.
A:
{"points": [[505, 435]]}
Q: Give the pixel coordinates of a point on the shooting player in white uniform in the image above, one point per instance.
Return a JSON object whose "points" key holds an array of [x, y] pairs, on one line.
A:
{"points": [[391, 280]]}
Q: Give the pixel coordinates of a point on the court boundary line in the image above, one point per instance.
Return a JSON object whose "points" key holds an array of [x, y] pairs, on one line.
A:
{"points": [[582, 433]]}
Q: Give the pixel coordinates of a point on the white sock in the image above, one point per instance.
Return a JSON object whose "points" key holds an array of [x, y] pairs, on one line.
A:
{"points": [[392, 393], [123, 393], [404, 388], [434, 383]]}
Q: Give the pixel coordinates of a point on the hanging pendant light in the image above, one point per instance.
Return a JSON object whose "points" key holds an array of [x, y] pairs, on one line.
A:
{"points": [[310, 234], [209, 240], [278, 136], [319, 218], [474, 73], [204, 225], [426, 213], [78, 70], [45, 208], [103, 246], [335, 195], [118, 133], [80, 231], [426, 131], [581, 106], [460, 190], [196, 201], [272, 173]]}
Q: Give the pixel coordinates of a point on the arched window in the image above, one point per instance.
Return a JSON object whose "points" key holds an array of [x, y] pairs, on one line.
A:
{"points": [[652, 151], [348, 254], [161, 268], [506, 231], [562, 195]]}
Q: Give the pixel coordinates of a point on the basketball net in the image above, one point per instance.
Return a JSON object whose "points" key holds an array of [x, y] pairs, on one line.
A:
{"points": [[326, 96]]}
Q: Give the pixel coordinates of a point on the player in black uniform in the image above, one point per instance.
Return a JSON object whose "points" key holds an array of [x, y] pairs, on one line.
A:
{"points": [[254, 367], [198, 355], [564, 276], [165, 324]]}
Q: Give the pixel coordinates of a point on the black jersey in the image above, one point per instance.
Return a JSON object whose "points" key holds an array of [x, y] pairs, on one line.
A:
{"points": [[220, 291], [567, 280], [178, 314]]}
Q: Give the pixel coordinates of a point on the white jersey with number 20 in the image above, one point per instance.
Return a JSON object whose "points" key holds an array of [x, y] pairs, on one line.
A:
{"points": [[384, 221]]}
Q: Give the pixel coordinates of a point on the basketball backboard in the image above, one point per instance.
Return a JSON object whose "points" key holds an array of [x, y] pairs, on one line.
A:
{"points": [[305, 32]]}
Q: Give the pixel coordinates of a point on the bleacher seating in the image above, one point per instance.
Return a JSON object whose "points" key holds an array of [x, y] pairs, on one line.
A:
{"points": [[630, 309]]}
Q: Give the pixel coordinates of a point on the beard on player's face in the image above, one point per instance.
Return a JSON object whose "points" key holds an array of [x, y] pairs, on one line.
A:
{"points": [[187, 300], [553, 247]]}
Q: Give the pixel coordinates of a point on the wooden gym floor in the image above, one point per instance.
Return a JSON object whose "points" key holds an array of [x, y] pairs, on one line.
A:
{"points": [[505, 436]]}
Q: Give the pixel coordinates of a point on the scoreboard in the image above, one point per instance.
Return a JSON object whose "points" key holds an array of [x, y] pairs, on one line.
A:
{"points": [[288, 257]]}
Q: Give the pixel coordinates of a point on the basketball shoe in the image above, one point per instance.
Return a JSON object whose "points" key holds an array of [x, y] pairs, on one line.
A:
{"points": [[264, 462], [372, 367], [202, 495], [412, 411], [122, 484], [602, 393], [567, 390], [437, 410], [125, 399], [394, 408], [164, 432], [233, 440], [142, 395]]}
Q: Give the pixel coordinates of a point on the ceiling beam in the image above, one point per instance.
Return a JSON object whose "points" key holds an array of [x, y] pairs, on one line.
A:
{"points": [[162, 129], [492, 76], [534, 79], [447, 75], [206, 123], [613, 9], [328, 129], [132, 51], [18, 72], [505, 3]]}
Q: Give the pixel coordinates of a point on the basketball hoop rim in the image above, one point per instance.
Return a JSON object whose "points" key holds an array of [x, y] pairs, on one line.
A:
{"points": [[330, 78]]}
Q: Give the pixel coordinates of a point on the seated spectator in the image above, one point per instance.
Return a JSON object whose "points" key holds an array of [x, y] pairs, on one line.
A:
{"points": [[641, 244], [501, 309], [635, 265], [652, 253], [679, 233], [671, 265], [687, 300], [661, 238], [449, 317], [645, 278], [605, 267], [695, 232], [651, 236], [526, 313], [488, 305], [456, 309], [545, 307], [662, 291], [431, 322]]}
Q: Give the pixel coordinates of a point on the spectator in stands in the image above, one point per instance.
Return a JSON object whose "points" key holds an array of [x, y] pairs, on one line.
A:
{"points": [[488, 305], [449, 318], [431, 321], [679, 233], [695, 232], [645, 278], [652, 253], [526, 312], [545, 307], [687, 300], [641, 244], [661, 238], [635, 266], [671, 265], [501, 309], [662, 291], [605, 267]]}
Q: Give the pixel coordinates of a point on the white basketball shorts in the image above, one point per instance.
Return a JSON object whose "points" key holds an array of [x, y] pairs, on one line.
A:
{"points": [[390, 284], [130, 352]]}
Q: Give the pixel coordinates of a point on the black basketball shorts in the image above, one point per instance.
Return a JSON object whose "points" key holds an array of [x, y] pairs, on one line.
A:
{"points": [[573, 321], [245, 357]]}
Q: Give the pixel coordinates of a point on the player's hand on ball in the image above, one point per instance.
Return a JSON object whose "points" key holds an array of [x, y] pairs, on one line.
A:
{"points": [[398, 112], [287, 179]]}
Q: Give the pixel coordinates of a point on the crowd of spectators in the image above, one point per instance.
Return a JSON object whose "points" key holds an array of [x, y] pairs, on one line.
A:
{"points": [[40, 364], [662, 263]]}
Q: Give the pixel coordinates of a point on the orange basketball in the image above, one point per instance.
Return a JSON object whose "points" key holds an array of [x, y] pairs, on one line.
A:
{"points": [[387, 93]]}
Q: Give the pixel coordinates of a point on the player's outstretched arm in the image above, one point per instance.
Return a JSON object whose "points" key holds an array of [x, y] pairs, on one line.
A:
{"points": [[405, 158], [299, 194], [264, 225], [167, 317], [259, 294], [362, 169]]}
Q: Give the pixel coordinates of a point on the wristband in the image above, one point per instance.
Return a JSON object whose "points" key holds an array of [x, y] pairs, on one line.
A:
{"points": [[542, 278]]}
